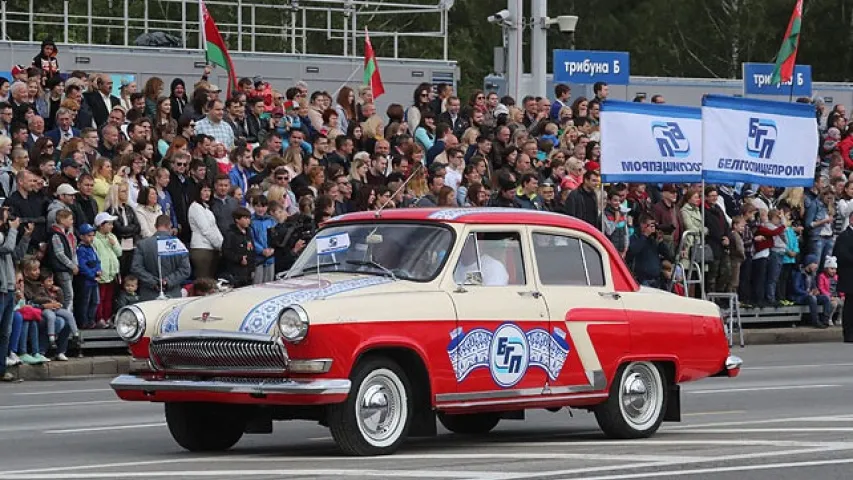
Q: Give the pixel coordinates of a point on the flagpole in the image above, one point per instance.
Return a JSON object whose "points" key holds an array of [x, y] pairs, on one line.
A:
{"points": [[160, 277], [201, 27]]}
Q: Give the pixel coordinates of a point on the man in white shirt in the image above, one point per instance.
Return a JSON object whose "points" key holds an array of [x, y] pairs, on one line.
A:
{"points": [[215, 126], [455, 167], [493, 272]]}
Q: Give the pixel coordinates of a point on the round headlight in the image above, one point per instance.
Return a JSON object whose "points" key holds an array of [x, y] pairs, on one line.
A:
{"points": [[293, 323], [130, 324]]}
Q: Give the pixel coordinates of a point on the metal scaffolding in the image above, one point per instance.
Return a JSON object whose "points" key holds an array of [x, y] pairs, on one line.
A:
{"points": [[287, 26]]}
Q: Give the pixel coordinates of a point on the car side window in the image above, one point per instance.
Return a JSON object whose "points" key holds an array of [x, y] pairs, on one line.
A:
{"points": [[563, 260], [559, 260], [491, 259], [594, 265]]}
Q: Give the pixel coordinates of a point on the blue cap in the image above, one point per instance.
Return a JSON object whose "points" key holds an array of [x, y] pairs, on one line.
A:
{"points": [[86, 229], [810, 259]]}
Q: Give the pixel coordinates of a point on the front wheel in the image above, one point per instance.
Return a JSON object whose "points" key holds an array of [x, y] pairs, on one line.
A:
{"points": [[375, 418], [471, 423], [205, 427], [637, 402]]}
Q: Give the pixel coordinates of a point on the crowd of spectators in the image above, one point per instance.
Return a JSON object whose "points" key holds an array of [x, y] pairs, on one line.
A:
{"points": [[92, 180]]}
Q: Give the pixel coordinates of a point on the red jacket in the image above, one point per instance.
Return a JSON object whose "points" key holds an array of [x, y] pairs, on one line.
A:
{"points": [[768, 235], [845, 146]]}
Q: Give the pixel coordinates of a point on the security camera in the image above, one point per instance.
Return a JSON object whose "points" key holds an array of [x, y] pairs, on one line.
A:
{"points": [[567, 23], [499, 17]]}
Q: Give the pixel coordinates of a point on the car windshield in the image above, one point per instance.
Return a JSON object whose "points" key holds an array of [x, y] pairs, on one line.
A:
{"points": [[400, 250]]}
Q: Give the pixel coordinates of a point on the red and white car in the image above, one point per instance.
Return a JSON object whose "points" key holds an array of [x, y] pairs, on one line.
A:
{"points": [[389, 321]]}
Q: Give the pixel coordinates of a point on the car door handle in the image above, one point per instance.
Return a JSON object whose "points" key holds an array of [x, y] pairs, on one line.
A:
{"points": [[613, 295], [533, 294]]}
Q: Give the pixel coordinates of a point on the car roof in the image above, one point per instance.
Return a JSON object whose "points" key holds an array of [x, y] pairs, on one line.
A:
{"points": [[487, 215], [623, 280]]}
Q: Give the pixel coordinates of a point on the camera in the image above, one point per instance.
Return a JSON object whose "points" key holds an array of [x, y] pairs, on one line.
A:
{"points": [[499, 17]]}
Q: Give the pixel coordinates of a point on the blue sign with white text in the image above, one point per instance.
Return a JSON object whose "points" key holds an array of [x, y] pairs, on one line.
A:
{"points": [[756, 80], [586, 66]]}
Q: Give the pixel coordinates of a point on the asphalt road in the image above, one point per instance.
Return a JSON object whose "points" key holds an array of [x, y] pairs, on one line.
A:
{"points": [[788, 416]]}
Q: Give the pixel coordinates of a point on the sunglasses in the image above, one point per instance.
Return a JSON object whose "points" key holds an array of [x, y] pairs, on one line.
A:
{"points": [[282, 177], [181, 164]]}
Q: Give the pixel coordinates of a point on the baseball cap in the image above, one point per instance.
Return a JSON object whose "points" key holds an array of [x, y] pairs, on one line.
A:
{"points": [[18, 69], [86, 229], [214, 88], [66, 189], [69, 162], [104, 217]]}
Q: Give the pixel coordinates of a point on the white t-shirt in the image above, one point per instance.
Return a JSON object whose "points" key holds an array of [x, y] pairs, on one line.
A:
{"points": [[494, 273], [452, 178]]}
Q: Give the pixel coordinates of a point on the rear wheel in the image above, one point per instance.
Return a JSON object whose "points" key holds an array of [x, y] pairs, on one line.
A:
{"points": [[375, 418], [205, 427], [470, 424], [637, 402]]}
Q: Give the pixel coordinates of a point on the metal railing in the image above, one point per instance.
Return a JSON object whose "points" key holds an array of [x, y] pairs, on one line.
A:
{"points": [[287, 26]]}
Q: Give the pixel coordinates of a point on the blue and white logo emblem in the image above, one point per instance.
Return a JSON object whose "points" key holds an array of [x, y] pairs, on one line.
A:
{"points": [[761, 138], [508, 355], [507, 352], [670, 139]]}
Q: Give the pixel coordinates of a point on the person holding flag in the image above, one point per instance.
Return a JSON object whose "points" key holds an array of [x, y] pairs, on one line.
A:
{"points": [[215, 50], [161, 262]]}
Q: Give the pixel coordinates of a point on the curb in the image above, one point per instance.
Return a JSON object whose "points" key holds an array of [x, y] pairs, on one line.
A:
{"points": [[780, 336], [75, 367]]}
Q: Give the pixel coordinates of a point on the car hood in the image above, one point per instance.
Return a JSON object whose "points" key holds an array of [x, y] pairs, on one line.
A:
{"points": [[255, 309]]}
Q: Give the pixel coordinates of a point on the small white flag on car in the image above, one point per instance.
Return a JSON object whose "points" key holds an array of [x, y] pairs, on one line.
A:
{"points": [[171, 246], [338, 242]]}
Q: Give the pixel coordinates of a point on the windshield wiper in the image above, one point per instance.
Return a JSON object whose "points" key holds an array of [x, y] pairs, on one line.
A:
{"points": [[374, 264]]}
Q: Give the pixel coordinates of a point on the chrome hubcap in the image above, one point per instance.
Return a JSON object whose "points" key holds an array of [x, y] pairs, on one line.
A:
{"points": [[379, 408], [639, 395]]}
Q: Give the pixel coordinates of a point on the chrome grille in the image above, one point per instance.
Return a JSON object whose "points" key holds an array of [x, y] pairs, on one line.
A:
{"points": [[219, 354]]}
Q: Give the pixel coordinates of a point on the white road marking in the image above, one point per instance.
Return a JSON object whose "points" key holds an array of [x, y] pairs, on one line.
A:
{"points": [[722, 412], [739, 423], [276, 472], [673, 443], [761, 389], [61, 404], [740, 431], [789, 367], [722, 458], [106, 428], [65, 392], [740, 468]]}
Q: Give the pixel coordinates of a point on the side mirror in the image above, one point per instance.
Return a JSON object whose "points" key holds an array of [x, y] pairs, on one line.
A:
{"points": [[474, 278]]}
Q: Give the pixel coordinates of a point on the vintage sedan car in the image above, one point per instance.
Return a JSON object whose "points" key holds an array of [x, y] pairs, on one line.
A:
{"points": [[389, 321]]}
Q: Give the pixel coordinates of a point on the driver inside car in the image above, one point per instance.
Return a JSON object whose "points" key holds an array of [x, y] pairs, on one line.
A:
{"points": [[493, 271]]}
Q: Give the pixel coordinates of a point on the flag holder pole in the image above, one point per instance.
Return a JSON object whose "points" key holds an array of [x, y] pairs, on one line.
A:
{"points": [[160, 277]]}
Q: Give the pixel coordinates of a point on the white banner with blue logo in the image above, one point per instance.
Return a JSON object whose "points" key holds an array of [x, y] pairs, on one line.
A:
{"points": [[650, 143], [757, 141], [170, 246]]}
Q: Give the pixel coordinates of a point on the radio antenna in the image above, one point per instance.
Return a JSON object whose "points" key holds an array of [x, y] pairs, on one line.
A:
{"points": [[419, 166]]}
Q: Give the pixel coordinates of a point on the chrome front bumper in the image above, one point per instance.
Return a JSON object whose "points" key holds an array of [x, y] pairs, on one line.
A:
{"points": [[250, 386]]}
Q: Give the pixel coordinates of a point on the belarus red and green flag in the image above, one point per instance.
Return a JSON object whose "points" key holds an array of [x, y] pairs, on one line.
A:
{"points": [[371, 69], [216, 52], [787, 56]]}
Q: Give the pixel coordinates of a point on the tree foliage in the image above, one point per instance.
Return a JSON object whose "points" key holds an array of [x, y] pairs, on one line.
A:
{"points": [[696, 38]]}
